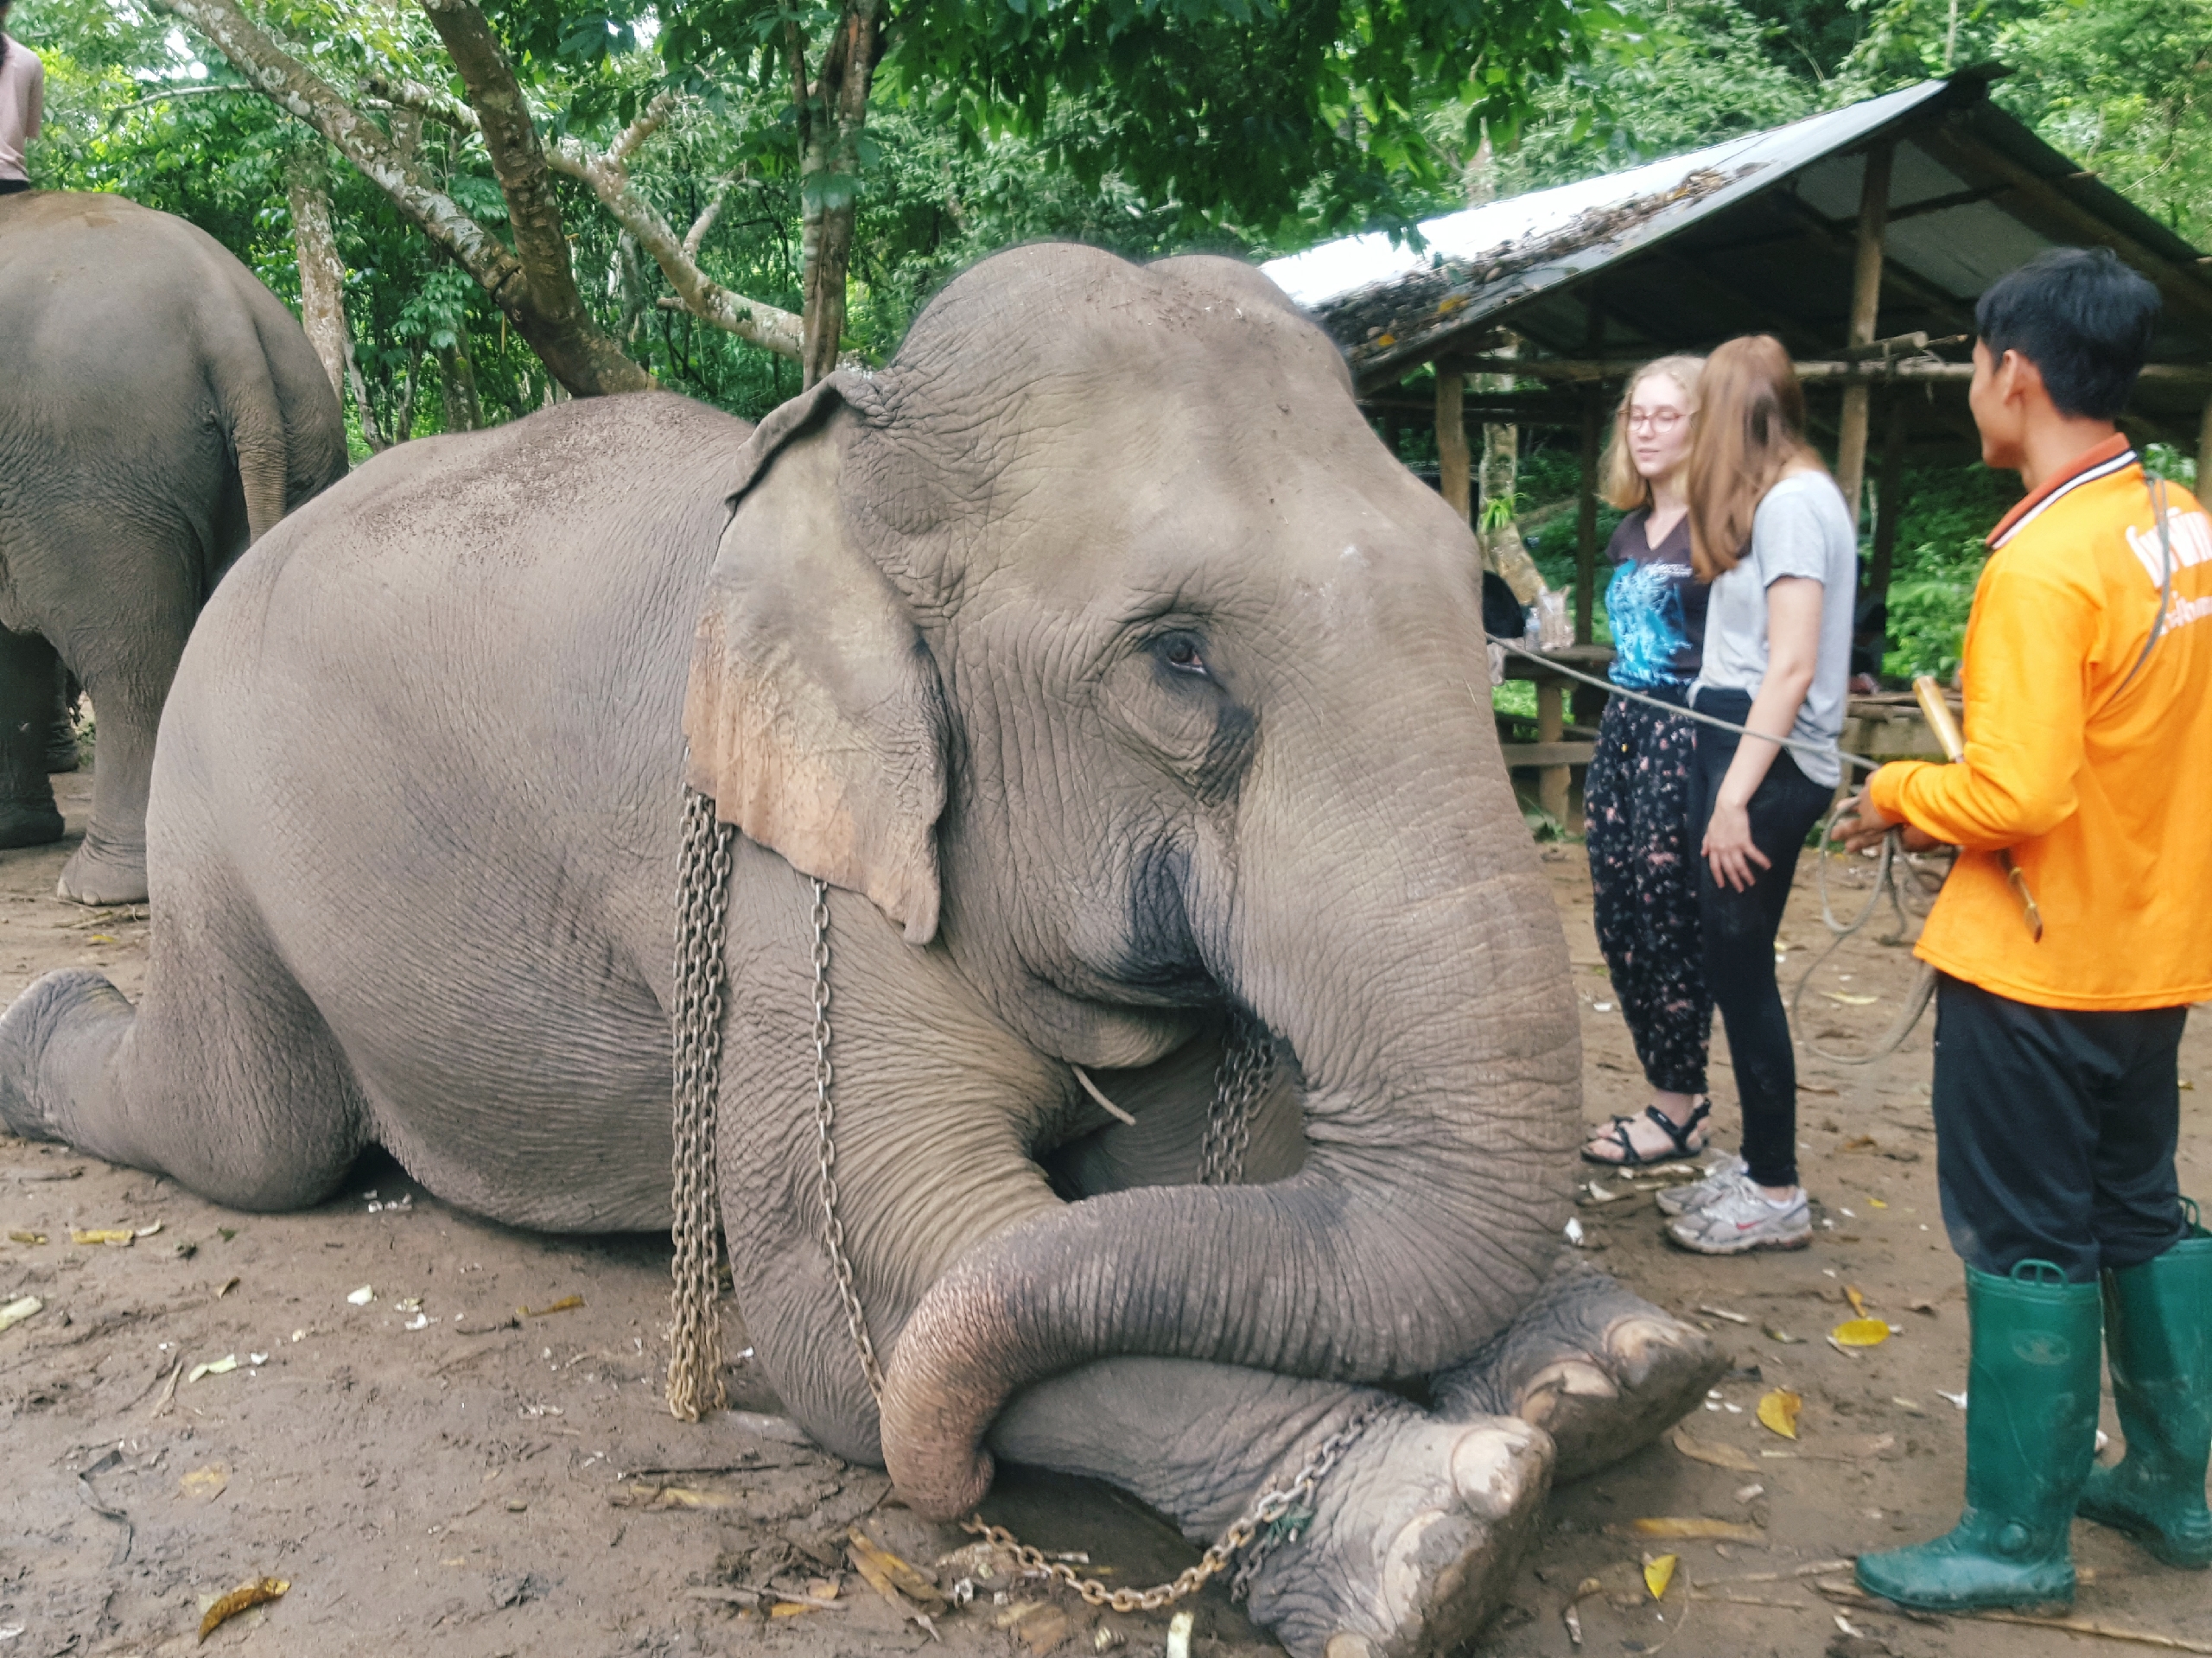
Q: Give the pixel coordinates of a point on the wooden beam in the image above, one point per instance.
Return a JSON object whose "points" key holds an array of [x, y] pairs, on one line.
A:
{"points": [[1581, 370], [1586, 521], [1548, 754], [2072, 220], [1900, 282], [1865, 307], [1452, 460]]}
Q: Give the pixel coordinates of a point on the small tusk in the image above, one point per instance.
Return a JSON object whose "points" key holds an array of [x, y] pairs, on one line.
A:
{"points": [[1091, 1089]]}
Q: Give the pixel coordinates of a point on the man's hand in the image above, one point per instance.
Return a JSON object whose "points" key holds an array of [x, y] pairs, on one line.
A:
{"points": [[1862, 824]]}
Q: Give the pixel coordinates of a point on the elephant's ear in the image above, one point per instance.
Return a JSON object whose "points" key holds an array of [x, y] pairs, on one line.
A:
{"points": [[814, 714]]}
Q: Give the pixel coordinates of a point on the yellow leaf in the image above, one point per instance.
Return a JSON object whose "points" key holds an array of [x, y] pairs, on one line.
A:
{"points": [[1697, 1525], [1858, 1301], [1876, 1203], [1850, 1000], [18, 1309], [116, 1238], [27, 1238], [245, 1595], [873, 1561], [1778, 1411], [1658, 1573], [206, 1484], [1715, 1456], [566, 1303], [1861, 1332]]}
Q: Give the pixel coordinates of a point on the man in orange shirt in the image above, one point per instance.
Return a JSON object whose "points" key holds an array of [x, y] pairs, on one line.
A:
{"points": [[2087, 781]]}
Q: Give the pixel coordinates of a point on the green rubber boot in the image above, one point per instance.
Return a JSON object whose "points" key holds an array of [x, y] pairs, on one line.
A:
{"points": [[2031, 1434], [2158, 1320]]}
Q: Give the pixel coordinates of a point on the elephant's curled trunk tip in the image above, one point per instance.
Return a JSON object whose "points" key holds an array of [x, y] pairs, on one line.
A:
{"points": [[932, 1427]]}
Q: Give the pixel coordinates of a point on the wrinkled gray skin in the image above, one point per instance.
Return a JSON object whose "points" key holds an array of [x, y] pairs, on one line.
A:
{"points": [[1113, 672], [162, 410]]}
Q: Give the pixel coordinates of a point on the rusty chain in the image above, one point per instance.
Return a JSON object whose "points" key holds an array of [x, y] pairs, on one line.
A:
{"points": [[694, 1370]]}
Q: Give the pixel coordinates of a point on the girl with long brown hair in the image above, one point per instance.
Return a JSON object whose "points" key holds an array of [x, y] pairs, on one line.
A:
{"points": [[1642, 864], [1770, 532]]}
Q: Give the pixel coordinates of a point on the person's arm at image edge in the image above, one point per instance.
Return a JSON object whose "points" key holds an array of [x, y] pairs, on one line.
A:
{"points": [[1793, 651]]}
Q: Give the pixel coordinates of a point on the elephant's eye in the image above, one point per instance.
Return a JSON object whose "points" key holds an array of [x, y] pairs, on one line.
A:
{"points": [[1180, 653]]}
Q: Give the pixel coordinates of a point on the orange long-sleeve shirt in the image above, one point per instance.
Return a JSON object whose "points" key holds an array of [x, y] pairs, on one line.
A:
{"points": [[2102, 791]]}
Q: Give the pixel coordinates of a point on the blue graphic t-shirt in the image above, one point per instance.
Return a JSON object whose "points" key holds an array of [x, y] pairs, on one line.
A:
{"points": [[1656, 606]]}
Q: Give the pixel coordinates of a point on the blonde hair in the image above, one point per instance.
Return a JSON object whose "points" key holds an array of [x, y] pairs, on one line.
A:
{"points": [[1619, 483], [1751, 431]]}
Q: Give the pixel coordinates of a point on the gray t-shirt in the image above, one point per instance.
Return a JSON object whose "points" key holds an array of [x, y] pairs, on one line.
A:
{"points": [[1801, 528]]}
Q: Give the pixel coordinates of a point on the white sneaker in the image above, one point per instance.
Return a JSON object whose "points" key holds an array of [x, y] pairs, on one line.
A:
{"points": [[1738, 1219], [1678, 1200]]}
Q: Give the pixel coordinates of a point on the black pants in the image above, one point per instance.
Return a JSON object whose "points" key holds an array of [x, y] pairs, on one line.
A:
{"points": [[1644, 888], [1739, 930], [2055, 1132], [10, 187]]}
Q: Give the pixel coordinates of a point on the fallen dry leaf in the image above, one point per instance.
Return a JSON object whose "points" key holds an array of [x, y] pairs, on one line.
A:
{"points": [[1861, 1333], [1858, 1143], [257, 1593], [566, 1303], [1734, 1531], [1715, 1456], [114, 1237], [1778, 1411], [33, 1238], [18, 1309], [1776, 1332], [871, 1560], [1858, 1301], [1850, 1000], [683, 1496], [221, 1366], [1658, 1573], [206, 1484]]}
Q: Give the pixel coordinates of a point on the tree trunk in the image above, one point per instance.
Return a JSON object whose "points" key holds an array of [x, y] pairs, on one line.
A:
{"points": [[531, 285], [463, 413], [833, 114], [322, 276]]}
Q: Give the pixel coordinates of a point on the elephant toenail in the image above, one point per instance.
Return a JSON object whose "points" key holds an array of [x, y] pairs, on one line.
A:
{"points": [[1403, 1590], [1345, 1645], [1488, 1466], [1637, 1343], [1578, 1378]]}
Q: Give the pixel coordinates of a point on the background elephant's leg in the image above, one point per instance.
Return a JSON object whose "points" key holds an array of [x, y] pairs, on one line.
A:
{"points": [[111, 867], [1415, 1532], [61, 754], [1602, 1371], [28, 668]]}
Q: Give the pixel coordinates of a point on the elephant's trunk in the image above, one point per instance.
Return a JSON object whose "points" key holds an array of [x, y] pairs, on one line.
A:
{"points": [[1406, 947]]}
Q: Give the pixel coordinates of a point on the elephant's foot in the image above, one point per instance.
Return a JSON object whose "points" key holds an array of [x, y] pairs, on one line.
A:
{"points": [[103, 872], [1604, 1372], [1414, 1537], [30, 823]]}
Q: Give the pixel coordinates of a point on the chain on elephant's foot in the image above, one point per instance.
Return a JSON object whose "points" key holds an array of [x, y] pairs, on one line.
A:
{"points": [[1413, 1540]]}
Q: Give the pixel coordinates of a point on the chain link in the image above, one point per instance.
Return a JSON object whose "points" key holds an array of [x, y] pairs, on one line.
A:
{"points": [[825, 1126], [1279, 1514], [694, 1369], [1247, 1065]]}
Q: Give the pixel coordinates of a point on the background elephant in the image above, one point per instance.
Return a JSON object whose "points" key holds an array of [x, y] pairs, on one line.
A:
{"points": [[162, 410], [1116, 677]]}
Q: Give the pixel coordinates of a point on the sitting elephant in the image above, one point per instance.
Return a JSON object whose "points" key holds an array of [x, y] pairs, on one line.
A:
{"points": [[1118, 682], [163, 410]]}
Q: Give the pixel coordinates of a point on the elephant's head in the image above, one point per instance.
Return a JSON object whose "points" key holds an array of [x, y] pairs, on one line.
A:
{"points": [[1098, 639]]}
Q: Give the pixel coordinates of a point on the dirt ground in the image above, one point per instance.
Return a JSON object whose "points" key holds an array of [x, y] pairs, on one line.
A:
{"points": [[448, 1437]]}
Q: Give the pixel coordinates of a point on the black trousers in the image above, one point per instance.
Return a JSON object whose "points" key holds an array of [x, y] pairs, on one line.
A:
{"points": [[1739, 930], [10, 187], [2055, 1132]]}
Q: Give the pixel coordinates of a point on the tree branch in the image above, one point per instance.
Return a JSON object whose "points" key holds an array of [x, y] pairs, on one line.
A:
{"points": [[765, 326], [302, 93], [574, 348], [428, 101]]}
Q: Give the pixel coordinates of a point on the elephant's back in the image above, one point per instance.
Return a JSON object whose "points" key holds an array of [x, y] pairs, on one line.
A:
{"points": [[430, 725]]}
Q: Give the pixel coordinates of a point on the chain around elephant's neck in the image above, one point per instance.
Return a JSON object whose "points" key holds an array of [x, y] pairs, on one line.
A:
{"points": [[695, 1384]]}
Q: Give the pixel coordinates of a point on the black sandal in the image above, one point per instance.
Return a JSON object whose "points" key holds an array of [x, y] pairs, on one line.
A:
{"points": [[1679, 1134]]}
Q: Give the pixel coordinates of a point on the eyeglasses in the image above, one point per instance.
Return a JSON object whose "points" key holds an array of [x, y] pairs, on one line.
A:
{"points": [[1659, 420]]}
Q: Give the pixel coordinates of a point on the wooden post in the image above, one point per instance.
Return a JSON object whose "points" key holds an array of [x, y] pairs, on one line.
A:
{"points": [[1586, 521], [1452, 471], [1896, 407], [1551, 726], [2204, 455], [1865, 304]]}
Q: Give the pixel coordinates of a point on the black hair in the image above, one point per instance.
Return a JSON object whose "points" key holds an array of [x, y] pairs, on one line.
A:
{"points": [[2082, 318]]}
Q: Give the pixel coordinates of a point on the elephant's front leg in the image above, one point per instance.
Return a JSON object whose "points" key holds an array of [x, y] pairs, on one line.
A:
{"points": [[1415, 1530], [1599, 1368]]}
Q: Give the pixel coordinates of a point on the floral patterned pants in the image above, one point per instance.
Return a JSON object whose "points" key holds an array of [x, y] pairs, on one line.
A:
{"points": [[1644, 871]]}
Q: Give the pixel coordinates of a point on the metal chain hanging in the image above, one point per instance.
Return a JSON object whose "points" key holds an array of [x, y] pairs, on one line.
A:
{"points": [[694, 1348], [1277, 1515]]}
